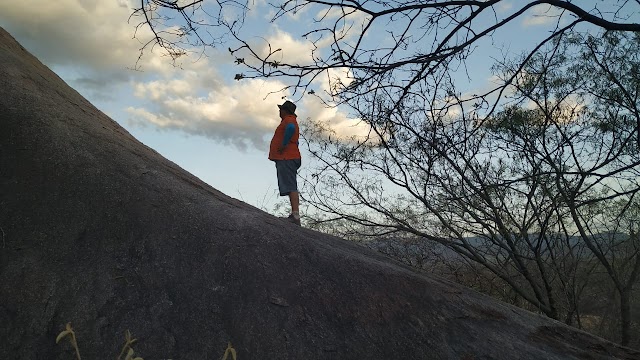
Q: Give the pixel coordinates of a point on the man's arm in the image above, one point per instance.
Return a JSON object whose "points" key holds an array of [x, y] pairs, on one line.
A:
{"points": [[289, 130]]}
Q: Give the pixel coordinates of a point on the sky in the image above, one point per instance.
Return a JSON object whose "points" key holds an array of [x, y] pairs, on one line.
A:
{"points": [[196, 114]]}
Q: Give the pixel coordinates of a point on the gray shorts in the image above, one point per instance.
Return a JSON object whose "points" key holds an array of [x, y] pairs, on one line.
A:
{"points": [[287, 175]]}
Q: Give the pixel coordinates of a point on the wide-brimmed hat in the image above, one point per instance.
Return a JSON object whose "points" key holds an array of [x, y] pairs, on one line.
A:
{"points": [[289, 107]]}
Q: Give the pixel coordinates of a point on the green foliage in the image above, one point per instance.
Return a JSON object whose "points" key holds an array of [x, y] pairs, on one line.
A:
{"points": [[515, 119]]}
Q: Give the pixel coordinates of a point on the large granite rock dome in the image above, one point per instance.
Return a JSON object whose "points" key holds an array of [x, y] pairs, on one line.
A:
{"points": [[101, 231]]}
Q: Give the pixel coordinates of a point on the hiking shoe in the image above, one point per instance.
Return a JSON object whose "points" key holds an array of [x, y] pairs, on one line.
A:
{"points": [[293, 220]]}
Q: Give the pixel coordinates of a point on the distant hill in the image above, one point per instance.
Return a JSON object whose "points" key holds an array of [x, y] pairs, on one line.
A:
{"points": [[103, 232]]}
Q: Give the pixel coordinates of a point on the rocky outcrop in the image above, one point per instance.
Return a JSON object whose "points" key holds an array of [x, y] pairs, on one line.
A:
{"points": [[103, 232]]}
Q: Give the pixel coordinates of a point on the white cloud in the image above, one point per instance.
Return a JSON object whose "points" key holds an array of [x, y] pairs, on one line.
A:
{"points": [[296, 11], [344, 16], [504, 6], [337, 121], [542, 15], [292, 51], [334, 80], [351, 21], [97, 38], [93, 33], [242, 114], [297, 52], [93, 44], [156, 90]]}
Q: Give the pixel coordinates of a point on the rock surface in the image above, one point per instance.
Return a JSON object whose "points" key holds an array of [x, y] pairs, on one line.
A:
{"points": [[101, 231]]}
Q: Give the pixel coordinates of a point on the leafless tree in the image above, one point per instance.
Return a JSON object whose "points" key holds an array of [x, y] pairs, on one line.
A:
{"points": [[517, 192], [425, 37]]}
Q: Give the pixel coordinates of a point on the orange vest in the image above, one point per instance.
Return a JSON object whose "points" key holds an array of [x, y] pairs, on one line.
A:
{"points": [[291, 150]]}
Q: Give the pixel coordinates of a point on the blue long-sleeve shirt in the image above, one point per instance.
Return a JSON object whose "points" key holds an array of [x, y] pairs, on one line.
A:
{"points": [[288, 133]]}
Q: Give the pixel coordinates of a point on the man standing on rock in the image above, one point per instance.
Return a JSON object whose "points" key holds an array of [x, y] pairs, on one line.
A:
{"points": [[285, 153]]}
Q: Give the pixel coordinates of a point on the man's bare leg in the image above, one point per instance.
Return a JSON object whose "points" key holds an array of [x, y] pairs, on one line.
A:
{"points": [[294, 199]]}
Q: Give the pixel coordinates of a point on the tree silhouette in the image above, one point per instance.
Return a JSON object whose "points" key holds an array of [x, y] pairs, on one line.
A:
{"points": [[426, 38], [532, 193]]}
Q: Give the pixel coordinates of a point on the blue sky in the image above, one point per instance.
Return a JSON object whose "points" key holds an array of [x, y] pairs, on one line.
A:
{"points": [[196, 114]]}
